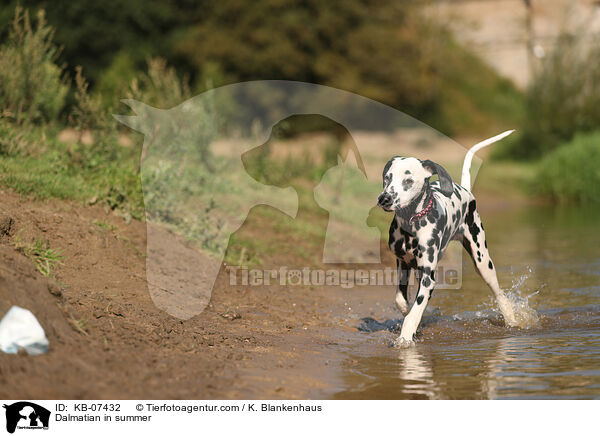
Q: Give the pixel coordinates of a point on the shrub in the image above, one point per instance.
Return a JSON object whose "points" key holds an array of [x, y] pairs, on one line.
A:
{"points": [[571, 172], [160, 86], [562, 99], [115, 80], [32, 86]]}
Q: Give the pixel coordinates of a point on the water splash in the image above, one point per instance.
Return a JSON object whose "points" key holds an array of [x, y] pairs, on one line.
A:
{"points": [[526, 316]]}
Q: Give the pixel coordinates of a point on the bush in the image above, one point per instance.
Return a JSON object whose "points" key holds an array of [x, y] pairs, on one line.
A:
{"points": [[32, 86], [114, 81], [571, 172], [161, 87], [562, 100], [388, 51]]}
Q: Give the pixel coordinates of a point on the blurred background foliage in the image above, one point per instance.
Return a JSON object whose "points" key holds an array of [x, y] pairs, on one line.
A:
{"points": [[387, 51], [562, 99], [67, 64]]}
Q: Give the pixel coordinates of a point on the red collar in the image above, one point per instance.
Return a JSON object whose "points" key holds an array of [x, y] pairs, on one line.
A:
{"points": [[423, 212]]}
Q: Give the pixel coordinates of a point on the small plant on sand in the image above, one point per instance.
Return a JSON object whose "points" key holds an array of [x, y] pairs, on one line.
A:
{"points": [[104, 225], [44, 258], [80, 325]]}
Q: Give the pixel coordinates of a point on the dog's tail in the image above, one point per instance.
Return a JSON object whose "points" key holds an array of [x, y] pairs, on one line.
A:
{"points": [[465, 180]]}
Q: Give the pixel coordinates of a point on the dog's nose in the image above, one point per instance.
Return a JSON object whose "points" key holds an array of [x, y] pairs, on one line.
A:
{"points": [[384, 200]]}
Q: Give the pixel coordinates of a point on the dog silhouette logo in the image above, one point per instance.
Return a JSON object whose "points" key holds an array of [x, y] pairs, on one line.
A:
{"points": [[26, 415], [210, 161]]}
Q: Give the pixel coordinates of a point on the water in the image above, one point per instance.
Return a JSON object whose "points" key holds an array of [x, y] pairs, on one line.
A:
{"points": [[549, 258]]}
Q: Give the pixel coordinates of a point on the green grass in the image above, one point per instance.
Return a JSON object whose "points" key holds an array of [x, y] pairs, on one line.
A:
{"points": [[571, 172], [104, 225], [41, 167], [43, 178], [44, 258]]}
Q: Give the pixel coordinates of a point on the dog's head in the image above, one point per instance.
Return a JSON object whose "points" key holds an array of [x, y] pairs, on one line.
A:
{"points": [[406, 178]]}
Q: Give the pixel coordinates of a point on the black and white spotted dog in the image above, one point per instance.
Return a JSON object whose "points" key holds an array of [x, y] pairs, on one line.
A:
{"points": [[427, 216]]}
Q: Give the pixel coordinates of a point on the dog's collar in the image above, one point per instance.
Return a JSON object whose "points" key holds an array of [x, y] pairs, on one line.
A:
{"points": [[424, 211]]}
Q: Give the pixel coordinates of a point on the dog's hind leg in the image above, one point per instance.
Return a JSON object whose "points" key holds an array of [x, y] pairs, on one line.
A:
{"points": [[401, 299], [475, 244]]}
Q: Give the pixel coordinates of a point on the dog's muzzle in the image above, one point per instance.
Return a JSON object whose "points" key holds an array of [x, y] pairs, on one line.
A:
{"points": [[385, 201]]}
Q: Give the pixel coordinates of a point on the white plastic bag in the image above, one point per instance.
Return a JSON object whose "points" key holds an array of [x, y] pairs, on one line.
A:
{"points": [[20, 329]]}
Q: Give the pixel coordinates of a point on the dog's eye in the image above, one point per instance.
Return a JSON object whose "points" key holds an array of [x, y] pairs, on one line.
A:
{"points": [[407, 182]]}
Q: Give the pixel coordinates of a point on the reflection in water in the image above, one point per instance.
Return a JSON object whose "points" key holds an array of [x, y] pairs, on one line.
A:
{"points": [[557, 360], [465, 352], [417, 373], [491, 383]]}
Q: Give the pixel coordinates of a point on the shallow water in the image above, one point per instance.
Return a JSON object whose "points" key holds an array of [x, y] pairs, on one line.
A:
{"points": [[550, 258]]}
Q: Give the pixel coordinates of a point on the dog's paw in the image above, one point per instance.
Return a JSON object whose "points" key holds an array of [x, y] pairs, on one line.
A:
{"points": [[404, 343], [401, 304]]}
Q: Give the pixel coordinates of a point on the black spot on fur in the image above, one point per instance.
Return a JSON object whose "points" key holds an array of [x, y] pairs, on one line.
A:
{"points": [[467, 245], [470, 221], [490, 265], [426, 282], [398, 249], [420, 299]]}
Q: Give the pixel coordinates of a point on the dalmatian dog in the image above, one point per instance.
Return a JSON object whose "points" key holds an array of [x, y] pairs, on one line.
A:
{"points": [[427, 216]]}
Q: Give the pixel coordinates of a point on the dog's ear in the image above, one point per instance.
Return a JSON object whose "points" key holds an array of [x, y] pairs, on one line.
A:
{"points": [[385, 170], [446, 186]]}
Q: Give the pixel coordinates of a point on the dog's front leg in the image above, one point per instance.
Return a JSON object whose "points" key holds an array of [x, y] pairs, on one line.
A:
{"points": [[412, 320], [401, 299]]}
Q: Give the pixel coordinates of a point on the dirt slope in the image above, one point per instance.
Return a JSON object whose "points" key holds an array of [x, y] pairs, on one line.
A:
{"points": [[107, 338]]}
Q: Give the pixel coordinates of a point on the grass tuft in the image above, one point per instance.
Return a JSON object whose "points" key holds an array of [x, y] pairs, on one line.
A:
{"points": [[44, 258]]}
